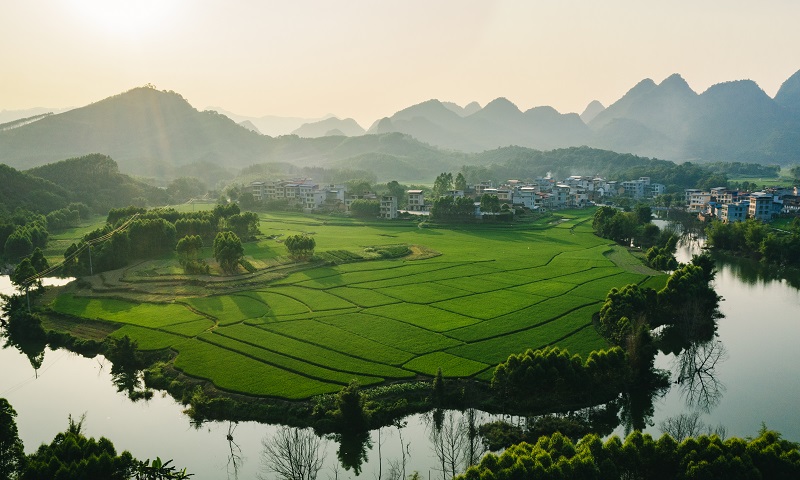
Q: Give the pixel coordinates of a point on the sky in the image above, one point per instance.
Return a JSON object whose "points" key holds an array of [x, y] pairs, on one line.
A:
{"points": [[369, 59]]}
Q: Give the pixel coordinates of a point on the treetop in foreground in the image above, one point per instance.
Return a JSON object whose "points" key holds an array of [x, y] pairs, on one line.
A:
{"points": [[641, 456]]}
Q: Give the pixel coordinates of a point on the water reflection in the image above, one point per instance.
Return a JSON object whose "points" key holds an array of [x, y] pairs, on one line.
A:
{"points": [[696, 369], [454, 439], [235, 457], [292, 454]]}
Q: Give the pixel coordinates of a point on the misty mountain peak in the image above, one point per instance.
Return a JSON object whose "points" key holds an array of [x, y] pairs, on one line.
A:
{"points": [[501, 106], [736, 91], [471, 108], [788, 95], [591, 111], [676, 83]]}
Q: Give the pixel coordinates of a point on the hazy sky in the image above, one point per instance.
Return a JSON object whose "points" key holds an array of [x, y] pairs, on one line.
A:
{"points": [[368, 59]]}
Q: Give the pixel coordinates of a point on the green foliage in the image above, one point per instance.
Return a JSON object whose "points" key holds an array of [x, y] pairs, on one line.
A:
{"points": [[362, 208], [12, 453], [663, 258], [244, 224], [744, 169], [71, 455], [350, 408], [519, 162], [185, 188], [108, 187], [625, 307], [640, 456], [228, 251], [535, 377], [616, 225], [460, 182], [67, 217], [22, 274], [754, 238], [447, 208], [122, 213], [21, 190], [300, 246], [188, 249], [442, 184], [490, 203], [151, 237]]}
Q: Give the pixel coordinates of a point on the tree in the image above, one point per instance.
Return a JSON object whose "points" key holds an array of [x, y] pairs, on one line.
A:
{"points": [[185, 188], [189, 247], [350, 408], [365, 208], [300, 246], [438, 388], [18, 244], [245, 224], [490, 203], [460, 182], [442, 184], [23, 276], [12, 453], [228, 251], [398, 191], [73, 455], [38, 261]]}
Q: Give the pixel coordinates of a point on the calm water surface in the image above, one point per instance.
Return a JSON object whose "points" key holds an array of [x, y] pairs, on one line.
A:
{"points": [[758, 378]]}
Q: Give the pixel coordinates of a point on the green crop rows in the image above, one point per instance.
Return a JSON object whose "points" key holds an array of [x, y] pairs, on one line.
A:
{"points": [[492, 292]]}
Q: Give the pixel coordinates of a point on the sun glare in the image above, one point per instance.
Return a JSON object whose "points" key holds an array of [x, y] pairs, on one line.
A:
{"points": [[125, 19]]}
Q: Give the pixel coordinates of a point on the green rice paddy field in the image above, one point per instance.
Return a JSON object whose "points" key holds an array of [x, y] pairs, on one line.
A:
{"points": [[493, 291]]}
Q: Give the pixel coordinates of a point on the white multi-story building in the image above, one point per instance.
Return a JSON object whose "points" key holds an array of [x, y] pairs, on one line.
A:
{"points": [[733, 212], [526, 196], [416, 200], [388, 206], [760, 206]]}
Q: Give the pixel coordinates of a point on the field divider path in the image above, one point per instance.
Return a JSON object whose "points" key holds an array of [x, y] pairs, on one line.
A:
{"points": [[285, 367], [529, 327], [303, 359], [328, 347]]}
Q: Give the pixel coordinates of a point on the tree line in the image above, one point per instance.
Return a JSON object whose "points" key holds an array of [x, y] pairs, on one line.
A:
{"points": [[159, 231], [757, 239], [642, 456], [72, 455]]}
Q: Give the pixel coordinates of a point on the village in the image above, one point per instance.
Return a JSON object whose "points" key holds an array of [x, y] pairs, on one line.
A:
{"points": [[541, 194]]}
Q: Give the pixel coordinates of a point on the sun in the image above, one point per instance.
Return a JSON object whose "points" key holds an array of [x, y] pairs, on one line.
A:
{"points": [[125, 19]]}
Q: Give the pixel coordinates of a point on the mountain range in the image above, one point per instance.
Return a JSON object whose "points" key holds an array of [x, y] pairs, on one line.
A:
{"points": [[158, 134]]}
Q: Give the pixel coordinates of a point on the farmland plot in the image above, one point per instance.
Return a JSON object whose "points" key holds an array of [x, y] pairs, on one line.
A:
{"points": [[492, 292]]}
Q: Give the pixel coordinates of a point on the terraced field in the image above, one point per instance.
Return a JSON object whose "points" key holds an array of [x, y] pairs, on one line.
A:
{"points": [[493, 291]]}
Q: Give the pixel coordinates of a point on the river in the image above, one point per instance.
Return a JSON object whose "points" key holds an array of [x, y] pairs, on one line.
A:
{"points": [[757, 376]]}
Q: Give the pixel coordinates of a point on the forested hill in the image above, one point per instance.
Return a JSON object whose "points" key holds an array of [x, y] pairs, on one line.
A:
{"points": [[18, 189], [525, 163], [144, 129], [96, 181], [93, 179]]}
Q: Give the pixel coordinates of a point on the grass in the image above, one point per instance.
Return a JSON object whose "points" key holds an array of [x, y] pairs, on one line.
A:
{"points": [[297, 330]]}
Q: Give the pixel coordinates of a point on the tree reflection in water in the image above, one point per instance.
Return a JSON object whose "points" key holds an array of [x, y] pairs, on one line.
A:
{"points": [[293, 454], [353, 448], [235, 455], [695, 367], [454, 439]]}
